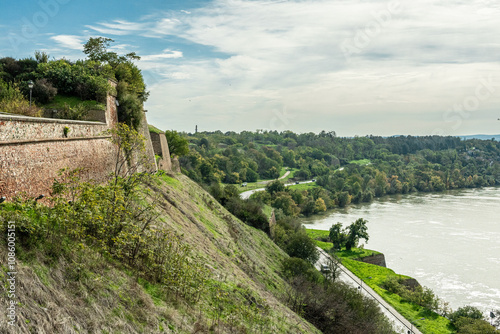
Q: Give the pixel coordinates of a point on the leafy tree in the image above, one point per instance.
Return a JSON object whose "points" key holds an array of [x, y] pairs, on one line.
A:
{"points": [[275, 187], [356, 231], [251, 175], [337, 236], [474, 326], [96, 48], [130, 111], [43, 91], [177, 144], [293, 267], [285, 202], [302, 246], [319, 205]]}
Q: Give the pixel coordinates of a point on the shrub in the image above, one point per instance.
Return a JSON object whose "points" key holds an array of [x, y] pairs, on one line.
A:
{"points": [[293, 267], [12, 101], [468, 311], [302, 246], [130, 111], [43, 91], [78, 112]]}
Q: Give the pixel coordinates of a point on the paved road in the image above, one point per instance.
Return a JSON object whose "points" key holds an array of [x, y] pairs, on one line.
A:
{"points": [[400, 324], [247, 194]]}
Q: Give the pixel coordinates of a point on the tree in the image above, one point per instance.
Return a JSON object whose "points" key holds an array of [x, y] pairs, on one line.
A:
{"points": [[130, 111], [96, 49], [275, 187], [302, 246], [177, 145], [356, 231], [319, 205], [337, 236], [285, 202]]}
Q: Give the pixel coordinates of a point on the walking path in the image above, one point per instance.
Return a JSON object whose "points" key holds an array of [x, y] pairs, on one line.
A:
{"points": [[400, 324]]}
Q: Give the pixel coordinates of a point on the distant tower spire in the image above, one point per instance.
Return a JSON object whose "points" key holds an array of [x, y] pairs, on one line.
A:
{"points": [[196, 129]]}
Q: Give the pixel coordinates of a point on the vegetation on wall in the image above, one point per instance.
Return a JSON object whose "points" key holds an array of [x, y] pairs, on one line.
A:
{"points": [[85, 79]]}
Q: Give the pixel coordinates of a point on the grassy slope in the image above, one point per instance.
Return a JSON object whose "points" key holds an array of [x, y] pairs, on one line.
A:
{"points": [[94, 294]]}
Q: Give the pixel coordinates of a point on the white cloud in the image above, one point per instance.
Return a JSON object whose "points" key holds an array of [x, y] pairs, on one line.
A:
{"points": [[118, 27], [409, 62], [69, 41], [167, 54]]}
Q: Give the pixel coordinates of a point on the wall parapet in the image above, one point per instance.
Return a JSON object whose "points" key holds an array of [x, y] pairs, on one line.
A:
{"points": [[16, 127], [47, 140]]}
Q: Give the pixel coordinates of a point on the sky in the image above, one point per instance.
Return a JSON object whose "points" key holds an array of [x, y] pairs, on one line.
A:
{"points": [[356, 67]]}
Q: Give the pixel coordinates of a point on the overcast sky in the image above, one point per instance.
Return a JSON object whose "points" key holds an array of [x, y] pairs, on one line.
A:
{"points": [[354, 67]]}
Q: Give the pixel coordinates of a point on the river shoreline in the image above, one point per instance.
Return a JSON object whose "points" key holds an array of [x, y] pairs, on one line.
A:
{"points": [[429, 235]]}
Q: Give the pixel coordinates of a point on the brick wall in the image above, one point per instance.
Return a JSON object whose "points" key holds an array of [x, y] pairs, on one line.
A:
{"points": [[31, 167], [16, 127]]}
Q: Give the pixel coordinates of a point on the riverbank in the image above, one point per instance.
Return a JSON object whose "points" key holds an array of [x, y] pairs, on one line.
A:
{"points": [[376, 278], [429, 236]]}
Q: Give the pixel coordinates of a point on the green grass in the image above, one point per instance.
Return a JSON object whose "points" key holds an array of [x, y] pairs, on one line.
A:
{"points": [[268, 210], [356, 253], [364, 270], [362, 162], [154, 129], [315, 234], [283, 171], [73, 101], [304, 186], [170, 181]]}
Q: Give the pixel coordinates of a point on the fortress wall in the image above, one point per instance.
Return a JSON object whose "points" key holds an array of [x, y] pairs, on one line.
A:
{"points": [[32, 166], [160, 147], [16, 128], [34, 149]]}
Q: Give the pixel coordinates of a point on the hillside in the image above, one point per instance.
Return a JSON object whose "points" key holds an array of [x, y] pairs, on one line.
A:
{"points": [[84, 291]]}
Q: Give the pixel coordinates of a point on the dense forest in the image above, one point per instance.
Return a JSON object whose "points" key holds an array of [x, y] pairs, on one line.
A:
{"points": [[346, 170]]}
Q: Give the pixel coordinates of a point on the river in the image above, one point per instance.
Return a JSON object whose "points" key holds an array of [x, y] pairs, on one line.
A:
{"points": [[449, 242]]}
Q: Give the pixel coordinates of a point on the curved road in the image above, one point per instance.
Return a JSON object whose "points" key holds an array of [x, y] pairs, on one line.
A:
{"points": [[399, 323], [247, 194]]}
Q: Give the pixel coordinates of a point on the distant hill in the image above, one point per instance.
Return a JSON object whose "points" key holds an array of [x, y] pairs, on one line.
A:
{"points": [[482, 137]]}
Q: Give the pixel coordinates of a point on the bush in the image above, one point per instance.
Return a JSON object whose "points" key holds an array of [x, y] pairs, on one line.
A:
{"points": [[130, 111], [302, 246], [78, 112], [43, 91], [293, 267], [12, 101], [469, 312]]}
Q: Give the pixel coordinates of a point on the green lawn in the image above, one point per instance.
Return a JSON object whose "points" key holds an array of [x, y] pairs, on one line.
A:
{"points": [[154, 129], [72, 101], [362, 162], [305, 186]]}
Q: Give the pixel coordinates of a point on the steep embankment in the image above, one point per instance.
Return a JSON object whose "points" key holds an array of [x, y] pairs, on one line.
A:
{"points": [[85, 291]]}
